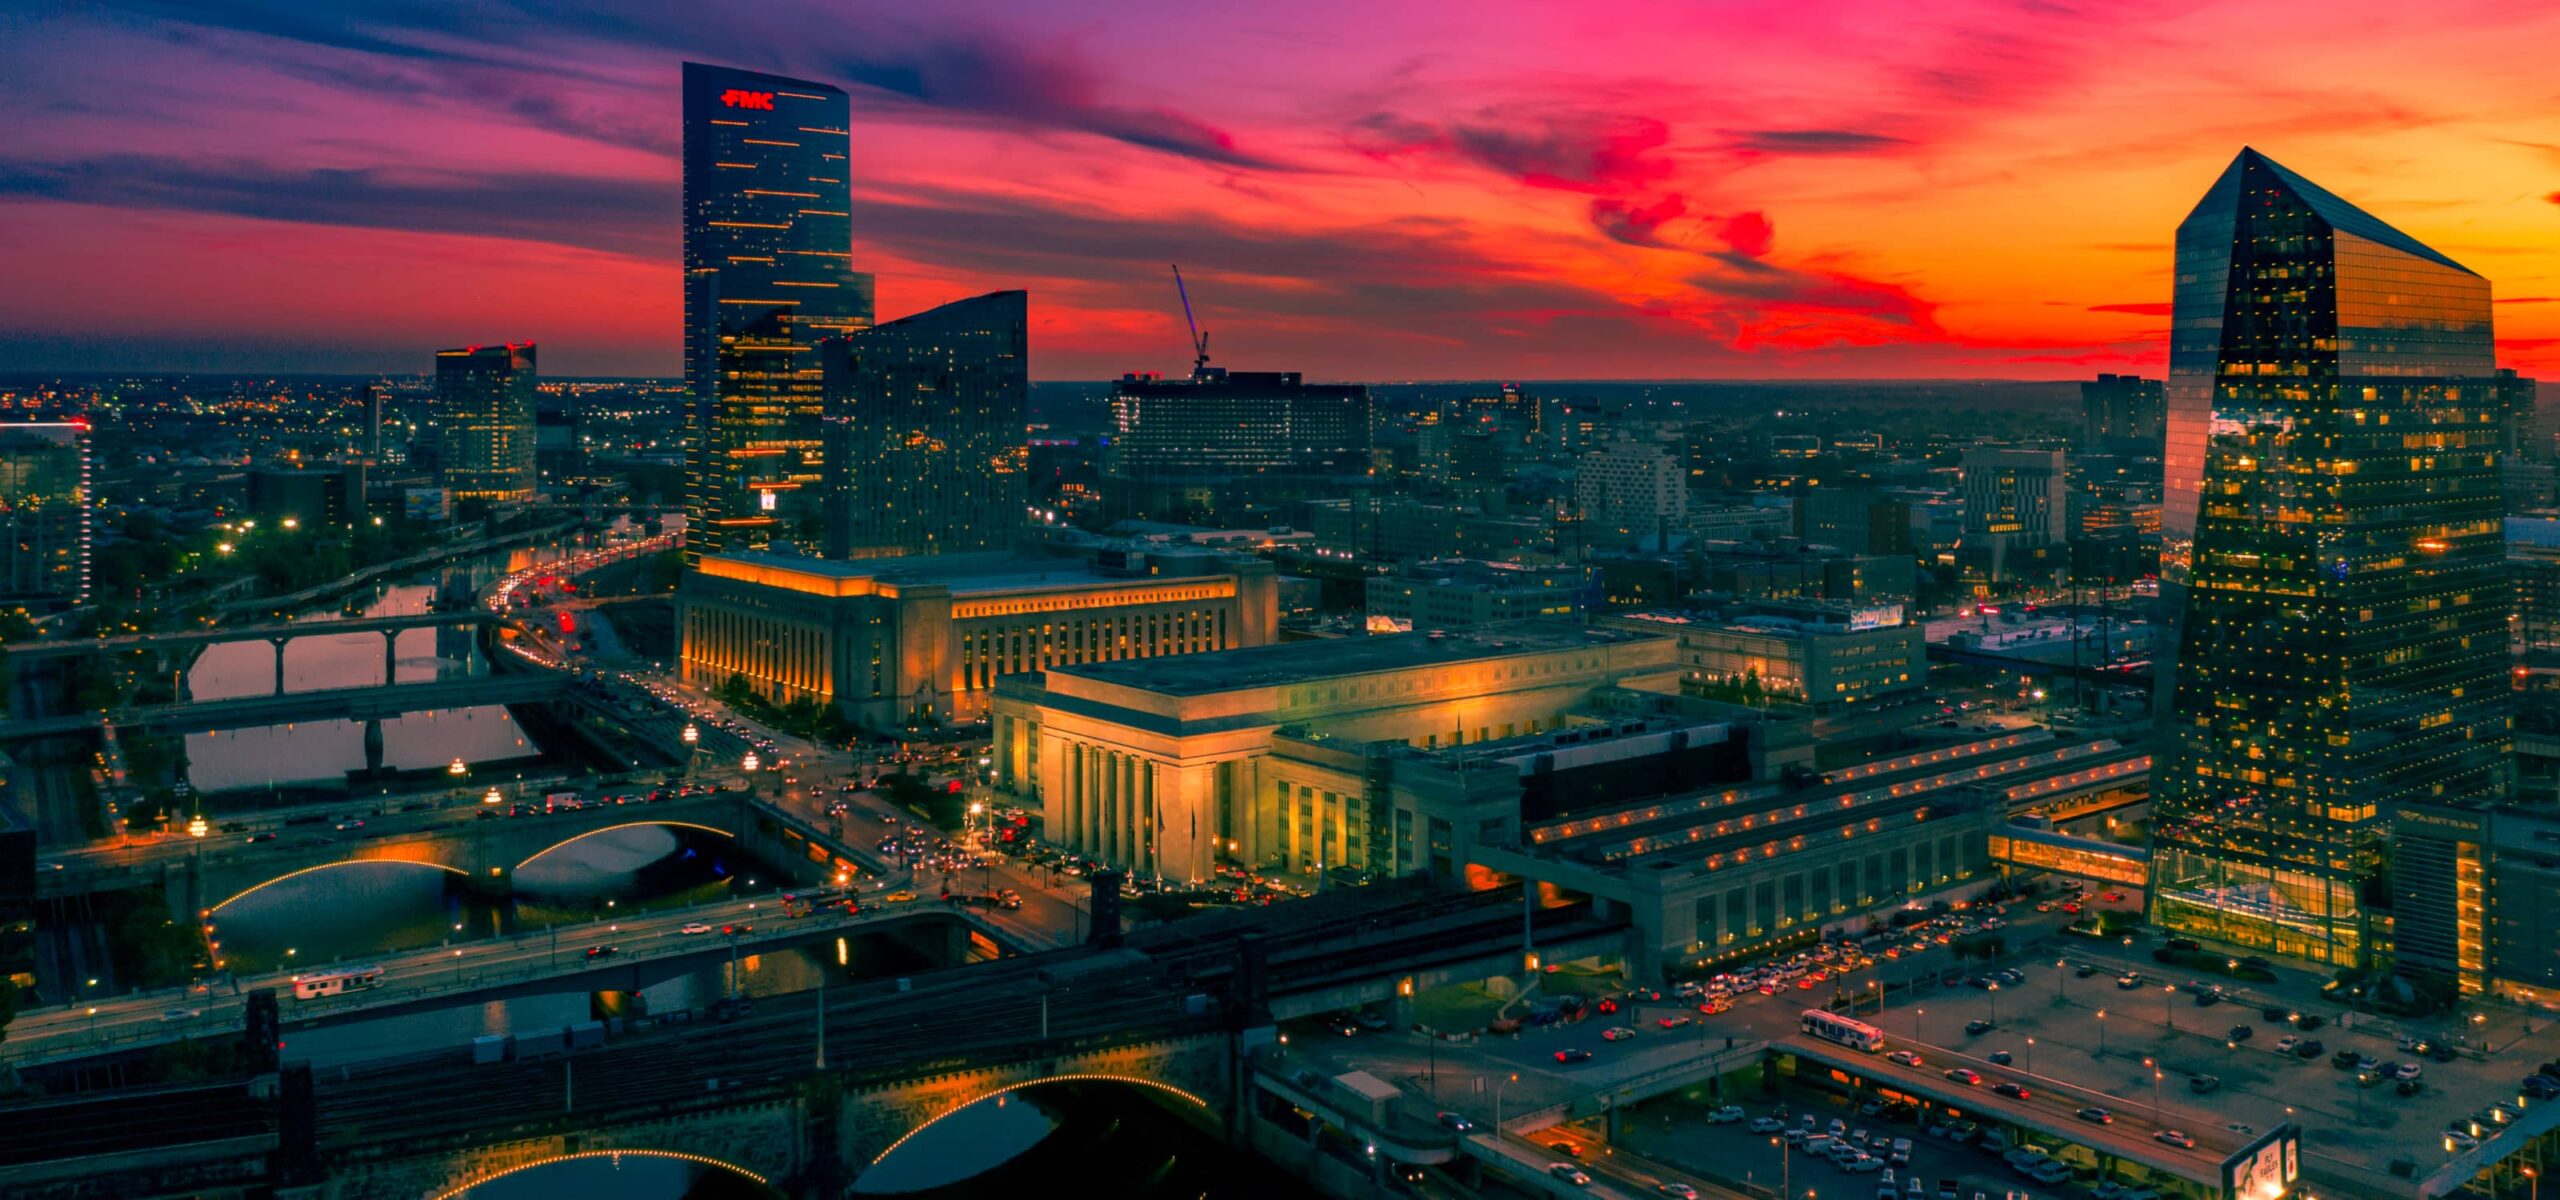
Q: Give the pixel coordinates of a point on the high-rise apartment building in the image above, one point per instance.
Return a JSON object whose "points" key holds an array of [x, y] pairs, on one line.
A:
{"points": [[926, 420], [768, 275], [2331, 552], [2122, 406], [44, 513], [1632, 492], [484, 421], [1206, 448], [2017, 503]]}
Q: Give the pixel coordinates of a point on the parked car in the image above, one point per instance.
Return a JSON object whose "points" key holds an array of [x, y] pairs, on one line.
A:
{"points": [[1725, 1115], [1978, 1026], [2201, 1084]]}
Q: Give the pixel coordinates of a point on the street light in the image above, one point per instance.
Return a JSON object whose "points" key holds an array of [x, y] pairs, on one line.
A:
{"points": [[196, 827], [2031, 1056], [751, 762], [692, 735], [457, 769], [493, 797], [2155, 1090], [2102, 1033]]}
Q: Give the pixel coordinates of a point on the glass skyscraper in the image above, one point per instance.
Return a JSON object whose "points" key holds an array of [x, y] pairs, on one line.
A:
{"points": [[44, 513], [926, 421], [768, 275], [2332, 553], [484, 422], [1221, 444]]}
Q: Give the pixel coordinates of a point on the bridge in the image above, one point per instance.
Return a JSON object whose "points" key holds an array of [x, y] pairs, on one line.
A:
{"points": [[278, 632], [813, 1088], [372, 703], [485, 850]]}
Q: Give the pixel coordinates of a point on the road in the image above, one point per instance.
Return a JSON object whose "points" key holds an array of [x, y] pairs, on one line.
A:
{"points": [[86, 1027]]}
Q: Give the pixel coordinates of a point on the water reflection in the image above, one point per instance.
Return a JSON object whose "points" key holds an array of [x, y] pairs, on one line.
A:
{"points": [[324, 751], [1108, 1139]]}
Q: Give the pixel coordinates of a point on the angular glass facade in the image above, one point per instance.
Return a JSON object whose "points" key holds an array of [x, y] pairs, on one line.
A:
{"points": [[768, 274], [484, 421], [2332, 553], [1208, 448], [926, 420]]}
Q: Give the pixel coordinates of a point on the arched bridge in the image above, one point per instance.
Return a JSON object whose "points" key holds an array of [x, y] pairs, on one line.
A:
{"points": [[485, 851]]}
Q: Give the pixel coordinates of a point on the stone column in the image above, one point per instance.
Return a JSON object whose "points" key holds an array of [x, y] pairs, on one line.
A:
{"points": [[1057, 821], [1129, 832], [278, 643], [390, 656], [1150, 834], [1089, 766]]}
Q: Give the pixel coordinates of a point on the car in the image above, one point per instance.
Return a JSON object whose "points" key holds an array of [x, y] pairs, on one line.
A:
{"points": [[2365, 1062], [2541, 1087], [1964, 1075], [2112, 897], [1567, 1149], [1863, 1164], [2460, 1139], [1677, 1191], [270, 835], [2084, 970], [1908, 1058], [2345, 1060], [2129, 981], [2096, 1115], [2409, 1087], [1978, 1026], [182, 1014], [2011, 1090], [1726, 1115], [2174, 1137], [1618, 1033], [2274, 1012], [2406, 1070], [900, 897], [603, 951], [1572, 1055], [1456, 1123], [2310, 1048], [351, 823], [1772, 1124], [2286, 1044], [736, 928], [2242, 1033], [2201, 1084], [697, 927], [2208, 997], [2001, 1057], [1569, 1173], [2307, 1022], [1675, 1021]]}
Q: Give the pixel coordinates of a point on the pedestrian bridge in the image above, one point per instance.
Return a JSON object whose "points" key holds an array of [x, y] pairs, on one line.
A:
{"points": [[2035, 848]]}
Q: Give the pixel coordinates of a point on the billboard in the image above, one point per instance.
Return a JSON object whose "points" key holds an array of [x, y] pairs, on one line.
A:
{"points": [[2264, 1169]]}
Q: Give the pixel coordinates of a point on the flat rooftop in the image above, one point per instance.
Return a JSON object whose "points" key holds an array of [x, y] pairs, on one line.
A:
{"points": [[1300, 662], [964, 574]]}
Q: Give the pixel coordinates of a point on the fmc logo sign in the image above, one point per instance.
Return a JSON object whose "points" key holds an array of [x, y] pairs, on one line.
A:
{"points": [[738, 99]]}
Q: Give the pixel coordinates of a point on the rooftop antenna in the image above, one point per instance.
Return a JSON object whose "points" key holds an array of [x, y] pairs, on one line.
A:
{"points": [[1199, 336]]}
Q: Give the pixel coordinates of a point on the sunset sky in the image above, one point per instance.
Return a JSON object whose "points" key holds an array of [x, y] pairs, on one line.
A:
{"points": [[1363, 190]]}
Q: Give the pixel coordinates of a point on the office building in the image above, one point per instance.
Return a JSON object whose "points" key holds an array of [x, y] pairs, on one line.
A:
{"points": [[1854, 517], [296, 497], [2126, 407], [918, 641], [2333, 561], [44, 509], [926, 423], [1454, 593], [768, 274], [1223, 444], [2017, 510], [484, 422], [1824, 655], [1159, 767], [1631, 493]]}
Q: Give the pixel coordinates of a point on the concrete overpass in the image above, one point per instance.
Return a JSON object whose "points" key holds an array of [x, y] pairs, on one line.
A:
{"points": [[218, 872], [278, 632], [345, 704]]}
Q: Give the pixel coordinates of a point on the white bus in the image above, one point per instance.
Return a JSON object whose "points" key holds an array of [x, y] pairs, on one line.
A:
{"points": [[1830, 1027], [331, 983]]}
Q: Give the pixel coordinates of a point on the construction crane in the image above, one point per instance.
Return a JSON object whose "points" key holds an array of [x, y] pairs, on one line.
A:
{"points": [[1199, 336]]}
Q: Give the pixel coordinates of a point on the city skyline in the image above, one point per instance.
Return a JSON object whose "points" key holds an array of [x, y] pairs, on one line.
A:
{"points": [[1829, 192]]}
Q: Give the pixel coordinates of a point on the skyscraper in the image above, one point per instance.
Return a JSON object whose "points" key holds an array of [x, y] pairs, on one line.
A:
{"points": [[44, 513], [2017, 502], [768, 274], [484, 421], [2120, 406], [2332, 560], [926, 418]]}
